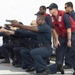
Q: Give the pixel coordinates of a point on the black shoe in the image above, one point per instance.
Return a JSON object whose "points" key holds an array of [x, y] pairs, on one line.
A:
{"points": [[30, 69], [17, 65], [45, 72], [66, 67], [74, 73], [15, 62], [60, 68], [5, 61]]}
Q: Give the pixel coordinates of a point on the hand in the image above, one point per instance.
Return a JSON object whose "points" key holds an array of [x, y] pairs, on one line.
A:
{"points": [[33, 23], [69, 43], [9, 32], [13, 28], [15, 23], [2, 30], [57, 43]]}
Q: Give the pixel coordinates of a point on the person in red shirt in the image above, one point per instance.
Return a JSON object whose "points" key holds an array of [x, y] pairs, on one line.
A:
{"points": [[69, 10], [64, 33], [42, 10]]}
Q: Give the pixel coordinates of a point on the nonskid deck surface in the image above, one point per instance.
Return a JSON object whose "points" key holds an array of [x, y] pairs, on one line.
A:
{"points": [[8, 69]]}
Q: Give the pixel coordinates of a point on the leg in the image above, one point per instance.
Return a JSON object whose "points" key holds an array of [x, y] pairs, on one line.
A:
{"points": [[60, 57], [38, 55], [10, 47], [17, 60], [72, 56], [27, 60], [67, 61], [5, 54]]}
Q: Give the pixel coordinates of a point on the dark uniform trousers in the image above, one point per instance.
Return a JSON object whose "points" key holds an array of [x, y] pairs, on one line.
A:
{"points": [[67, 61], [70, 55], [6, 48], [27, 60], [29, 44], [60, 51], [17, 56], [38, 55]]}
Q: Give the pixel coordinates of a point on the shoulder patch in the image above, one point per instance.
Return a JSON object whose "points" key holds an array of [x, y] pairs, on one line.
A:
{"points": [[59, 18], [52, 19]]}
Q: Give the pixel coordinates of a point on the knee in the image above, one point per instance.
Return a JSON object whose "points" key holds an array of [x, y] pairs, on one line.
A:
{"points": [[32, 53], [15, 50], [4, 45], [22, 52]]}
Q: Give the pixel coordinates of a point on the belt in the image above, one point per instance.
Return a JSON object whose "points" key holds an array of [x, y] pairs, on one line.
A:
{"points": [[44, 45]]}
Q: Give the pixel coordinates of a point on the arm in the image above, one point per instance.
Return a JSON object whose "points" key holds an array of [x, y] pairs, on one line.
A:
{"points": [[68, 27], [72, 14], [20, 33], [24, 33], [2, 34], [69, 37], [48, 20], [55, 37], [69, 34], [30, 28]]}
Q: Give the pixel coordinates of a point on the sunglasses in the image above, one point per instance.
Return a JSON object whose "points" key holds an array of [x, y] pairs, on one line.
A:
{"points": [[66, 7], [38, 19], [31, 24], [50, 9]]}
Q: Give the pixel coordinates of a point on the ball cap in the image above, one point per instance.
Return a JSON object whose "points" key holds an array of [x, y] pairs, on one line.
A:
{"points": [[52, 5], [39, 13]]}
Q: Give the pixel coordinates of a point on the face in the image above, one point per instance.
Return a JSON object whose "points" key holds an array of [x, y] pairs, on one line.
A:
{"points": [[41, 9], [67, 8], [39, 20], [52, 11], [33, 23]]}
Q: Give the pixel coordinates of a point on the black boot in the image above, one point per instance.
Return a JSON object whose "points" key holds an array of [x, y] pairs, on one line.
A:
{"points": [[30, 69], [74, 73], [5, 61], [44, 72], [67, 67], [60, 68], [17, 65]]}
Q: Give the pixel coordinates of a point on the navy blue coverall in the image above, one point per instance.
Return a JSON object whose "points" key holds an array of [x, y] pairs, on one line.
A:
{"points": [[8, 48], [28, 42], [5, 40], [63, 47], [72, 14], [43, 51]]}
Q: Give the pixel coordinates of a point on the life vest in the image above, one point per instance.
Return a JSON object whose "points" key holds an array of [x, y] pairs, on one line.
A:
{"points": [[45, 14], [59, 24]]}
